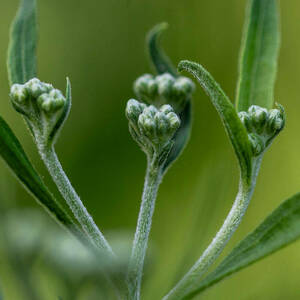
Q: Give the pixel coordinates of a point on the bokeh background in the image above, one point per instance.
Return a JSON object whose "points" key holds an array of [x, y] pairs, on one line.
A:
{"points": [[100, 46]]}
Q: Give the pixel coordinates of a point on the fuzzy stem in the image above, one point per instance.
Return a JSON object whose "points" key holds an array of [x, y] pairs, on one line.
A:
{"points": [[191, 279], [66, 189], [136, 263]]}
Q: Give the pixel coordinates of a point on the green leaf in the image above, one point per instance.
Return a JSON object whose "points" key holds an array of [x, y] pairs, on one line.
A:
{"points": [[13, 154], [278, 230], [66, 112], [21, 62], [259, 54], [234, 127], [161, 63]]}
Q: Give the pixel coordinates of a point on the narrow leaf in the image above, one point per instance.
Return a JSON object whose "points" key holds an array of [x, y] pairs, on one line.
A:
{"points": [[66, 111], [259, 54], [21, 61], [235, 129], [278, 230], [13, 154], [161, 63]]}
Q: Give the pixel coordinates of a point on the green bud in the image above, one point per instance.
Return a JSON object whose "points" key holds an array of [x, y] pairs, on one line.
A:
{"points": [[164, 89], [154, 128], [262, 126], [43, 107]]}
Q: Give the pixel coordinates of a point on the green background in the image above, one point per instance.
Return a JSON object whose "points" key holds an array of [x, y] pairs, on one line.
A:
{"points": [[100, 46]]}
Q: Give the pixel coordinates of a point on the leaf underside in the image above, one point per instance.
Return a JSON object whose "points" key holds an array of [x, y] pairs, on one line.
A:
{"points": [[13, 154], [162, 64], [259, 55], [21, 62], [278, 230], [234, 128]]}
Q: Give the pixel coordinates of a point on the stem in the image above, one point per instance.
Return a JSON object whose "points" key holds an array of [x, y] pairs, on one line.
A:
{"points": [[66, 189], [191, 279], [136, 263]]}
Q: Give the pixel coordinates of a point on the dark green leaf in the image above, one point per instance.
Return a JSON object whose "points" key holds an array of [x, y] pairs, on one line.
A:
{"points": [[21, 61], [182, 135], [259, 54], [235, 129], [13, 154], [279, 229], [161, 63], [66, 112]]}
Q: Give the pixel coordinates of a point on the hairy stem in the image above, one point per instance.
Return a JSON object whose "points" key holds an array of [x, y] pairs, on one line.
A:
{"points": [[66, 189], [136, 263], [191, 279]]}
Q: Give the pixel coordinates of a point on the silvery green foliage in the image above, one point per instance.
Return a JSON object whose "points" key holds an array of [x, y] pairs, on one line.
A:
{"points": [[43, 107], [262, 126], [152, 128], [164, 89]]}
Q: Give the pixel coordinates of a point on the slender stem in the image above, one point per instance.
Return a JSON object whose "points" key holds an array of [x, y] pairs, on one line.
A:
{"points": [[136, 263], [66, 189], [232, 221]]}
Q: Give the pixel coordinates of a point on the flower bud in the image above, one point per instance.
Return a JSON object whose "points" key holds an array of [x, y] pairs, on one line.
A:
{"points": [[164, 89], [154, 128], [43, 107], [262, 126]]}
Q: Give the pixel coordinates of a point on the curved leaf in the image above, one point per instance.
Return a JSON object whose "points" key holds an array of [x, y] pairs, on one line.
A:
{"points": [[161, 63], [21, 62], [235, 129], [13, 154], [278, 230], [259, 54]]}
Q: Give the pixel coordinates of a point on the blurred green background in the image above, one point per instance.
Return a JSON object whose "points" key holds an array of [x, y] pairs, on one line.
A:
{"points": [[100, 46]]}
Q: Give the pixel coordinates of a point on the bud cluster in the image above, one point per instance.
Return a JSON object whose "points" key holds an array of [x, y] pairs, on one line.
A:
{"points": [[164, 89], [262, 126], [152, 128], [42, 105]]}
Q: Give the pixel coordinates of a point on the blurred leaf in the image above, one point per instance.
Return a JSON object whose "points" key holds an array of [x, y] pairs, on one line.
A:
{"points": [[161, 63], [279, 229], [235, 129], [13, 154], [21, 60], [259, 54]]}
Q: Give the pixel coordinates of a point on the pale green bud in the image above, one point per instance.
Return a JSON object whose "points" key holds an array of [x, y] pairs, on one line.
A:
{"points": [[154, 128], [262, 126], [51, 102], [44, 108], [36, 88], [19, 93], [164, 89]]}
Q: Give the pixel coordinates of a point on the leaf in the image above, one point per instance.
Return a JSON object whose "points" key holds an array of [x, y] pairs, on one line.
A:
{"points": [[13, 154], [278, 230], [161, 63], [259, 54], [55, 132], [182, 135], [21, 62], [234, 127]]}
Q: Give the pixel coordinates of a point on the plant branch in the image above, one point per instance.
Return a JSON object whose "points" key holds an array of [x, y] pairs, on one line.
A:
{"points": [[191, 280], [136, 263], [66, 189]]}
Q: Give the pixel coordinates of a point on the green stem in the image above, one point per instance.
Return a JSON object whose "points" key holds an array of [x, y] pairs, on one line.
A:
{"points": [[136, 263], [191, 279], [66, 189]]}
